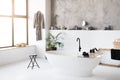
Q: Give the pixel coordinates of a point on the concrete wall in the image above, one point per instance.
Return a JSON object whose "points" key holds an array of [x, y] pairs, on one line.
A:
{"points": [[98, 13]]}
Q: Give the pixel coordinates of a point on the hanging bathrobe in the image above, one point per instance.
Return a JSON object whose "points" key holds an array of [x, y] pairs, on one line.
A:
{"points": [[38, 24]]}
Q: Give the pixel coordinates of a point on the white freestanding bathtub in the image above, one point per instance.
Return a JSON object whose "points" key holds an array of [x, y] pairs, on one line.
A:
{"points": [[72, 64]]}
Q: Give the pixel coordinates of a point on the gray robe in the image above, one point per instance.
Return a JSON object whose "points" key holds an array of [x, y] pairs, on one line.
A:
{"points": [[38, 24]]}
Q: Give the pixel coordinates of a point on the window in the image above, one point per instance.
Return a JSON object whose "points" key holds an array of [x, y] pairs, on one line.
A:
{"points": [[13, 22]]}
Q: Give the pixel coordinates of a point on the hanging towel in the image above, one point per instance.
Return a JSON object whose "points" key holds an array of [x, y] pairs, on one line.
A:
{"points": [[38, 24], [115, 54]]}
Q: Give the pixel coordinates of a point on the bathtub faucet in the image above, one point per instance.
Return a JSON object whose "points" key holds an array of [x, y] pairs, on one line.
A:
{"points": [[78, 39]]}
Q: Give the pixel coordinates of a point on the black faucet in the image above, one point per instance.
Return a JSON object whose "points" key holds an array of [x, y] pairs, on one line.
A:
{"points": [[78, 39]]}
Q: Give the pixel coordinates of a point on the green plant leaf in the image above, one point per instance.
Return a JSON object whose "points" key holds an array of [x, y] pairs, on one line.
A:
{"points": [[60, 44], [53, 41], [58, 35], [51, 36]]}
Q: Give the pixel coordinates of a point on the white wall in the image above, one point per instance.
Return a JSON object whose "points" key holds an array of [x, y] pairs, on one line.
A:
{"points": [[34, 6], [14, 54], [45, 7], [89, 39]]}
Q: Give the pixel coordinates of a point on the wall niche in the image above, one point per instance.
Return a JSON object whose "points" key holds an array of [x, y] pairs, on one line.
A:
{"points": [[96, 14]]}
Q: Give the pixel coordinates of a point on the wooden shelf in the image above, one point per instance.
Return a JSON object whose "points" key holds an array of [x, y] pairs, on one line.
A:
{"points": [[110, 65]]}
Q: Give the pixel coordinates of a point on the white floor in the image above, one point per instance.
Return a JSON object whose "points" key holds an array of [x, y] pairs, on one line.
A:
{"points": [[19, 71]]}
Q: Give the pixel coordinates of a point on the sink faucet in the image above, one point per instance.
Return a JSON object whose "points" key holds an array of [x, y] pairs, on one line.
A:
{"points": [[78, 39]]}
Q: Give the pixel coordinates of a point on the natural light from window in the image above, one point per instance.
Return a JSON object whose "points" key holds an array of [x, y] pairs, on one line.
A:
{"points": [[13, 22], [5, 7], [20, 30], [20, 7], [5, 31]]}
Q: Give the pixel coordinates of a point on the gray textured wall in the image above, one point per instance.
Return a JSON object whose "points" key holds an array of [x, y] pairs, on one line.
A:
{"points": [[98, 13]]}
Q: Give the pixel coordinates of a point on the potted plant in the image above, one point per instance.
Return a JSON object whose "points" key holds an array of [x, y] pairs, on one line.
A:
{"points": [[53, 42]]}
